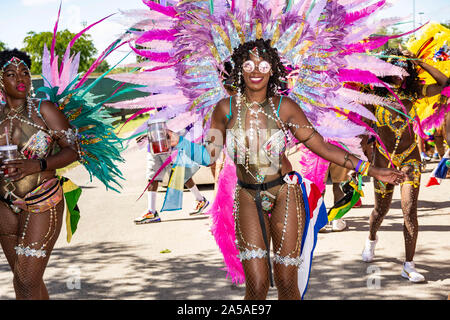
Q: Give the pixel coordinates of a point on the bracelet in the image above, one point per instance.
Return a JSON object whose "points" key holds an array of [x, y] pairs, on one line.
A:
{"points": [[43, 164], [358, 165], [362, 167]]}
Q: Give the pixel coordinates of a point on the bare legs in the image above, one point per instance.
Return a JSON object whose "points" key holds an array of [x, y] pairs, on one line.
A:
{"points": [[409, 196]]}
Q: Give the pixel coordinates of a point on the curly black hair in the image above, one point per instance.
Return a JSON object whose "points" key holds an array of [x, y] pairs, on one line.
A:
{"points": [[242, 54], [412, 86], [7, 55]]}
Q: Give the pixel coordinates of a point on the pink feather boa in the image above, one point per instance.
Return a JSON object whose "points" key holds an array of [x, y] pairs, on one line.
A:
{"points": [[222, 226]]}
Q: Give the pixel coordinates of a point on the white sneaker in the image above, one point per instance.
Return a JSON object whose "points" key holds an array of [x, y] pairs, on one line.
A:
{"points": [[338, 225], [424, 156], [410, 273], [369, 250]]}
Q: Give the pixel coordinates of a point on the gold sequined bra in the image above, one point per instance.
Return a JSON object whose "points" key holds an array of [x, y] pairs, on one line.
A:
{"points": [[272, 144]]}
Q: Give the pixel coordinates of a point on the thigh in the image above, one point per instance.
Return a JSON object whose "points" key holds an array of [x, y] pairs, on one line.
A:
{"points": [[9, 230], [252, 249], [38, 231], [383, 191], [248, 229], [410, 188], [9, 221], [383, 196], [287, 221]]}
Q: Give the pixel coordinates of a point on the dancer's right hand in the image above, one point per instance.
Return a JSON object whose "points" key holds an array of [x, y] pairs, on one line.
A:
{"points": [[173, 138], [387, 175]]}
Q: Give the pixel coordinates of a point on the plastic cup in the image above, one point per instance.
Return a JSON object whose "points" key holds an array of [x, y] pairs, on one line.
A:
{"points": [[157, 136], [7, 153]]}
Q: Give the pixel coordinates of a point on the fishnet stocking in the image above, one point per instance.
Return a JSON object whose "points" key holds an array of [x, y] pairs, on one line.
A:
{"points": [[409, 197], [28, 271], [286, 225], [284, 228], [249, 236]]}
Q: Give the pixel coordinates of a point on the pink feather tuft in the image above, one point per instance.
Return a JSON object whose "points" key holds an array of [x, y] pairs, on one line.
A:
{"points": [[168, 35], [168, 11], [222, 227], [155, 56], [313, 167], [355, 16], [437, 118], [55, 31], [79, 34]]}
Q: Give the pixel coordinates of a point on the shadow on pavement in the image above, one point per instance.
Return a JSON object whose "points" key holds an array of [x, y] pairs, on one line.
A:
{"points": [[132, 276]]}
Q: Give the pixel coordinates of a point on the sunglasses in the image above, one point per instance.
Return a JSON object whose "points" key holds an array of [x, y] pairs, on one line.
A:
{"points": [[263, 66]]}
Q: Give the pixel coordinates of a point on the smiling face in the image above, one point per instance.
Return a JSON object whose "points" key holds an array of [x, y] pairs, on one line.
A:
{"points": [[16, 80], [256, 73]]}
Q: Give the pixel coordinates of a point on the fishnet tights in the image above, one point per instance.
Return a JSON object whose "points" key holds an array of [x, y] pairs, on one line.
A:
{"points": [[409, 196], [28, 271], [249, 236]]}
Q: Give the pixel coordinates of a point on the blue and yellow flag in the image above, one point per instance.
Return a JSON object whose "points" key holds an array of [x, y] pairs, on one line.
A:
{"points": [[182, 170]]}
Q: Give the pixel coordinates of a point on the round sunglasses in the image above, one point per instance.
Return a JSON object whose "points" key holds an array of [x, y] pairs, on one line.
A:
{"points": [[263, 66]]}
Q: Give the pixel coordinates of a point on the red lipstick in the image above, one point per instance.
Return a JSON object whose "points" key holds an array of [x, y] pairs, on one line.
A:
{"points": [[21, 87]]}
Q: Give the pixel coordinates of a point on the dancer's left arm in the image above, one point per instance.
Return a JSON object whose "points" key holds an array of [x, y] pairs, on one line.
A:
{"points": [[306, 134]]}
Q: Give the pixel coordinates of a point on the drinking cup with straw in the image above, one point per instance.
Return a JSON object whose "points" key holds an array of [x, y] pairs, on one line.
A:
{"points": [[8, 152]]}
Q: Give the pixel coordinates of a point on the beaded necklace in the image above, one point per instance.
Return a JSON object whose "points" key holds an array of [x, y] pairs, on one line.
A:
{"points": [[254, 129], [70, 134]]}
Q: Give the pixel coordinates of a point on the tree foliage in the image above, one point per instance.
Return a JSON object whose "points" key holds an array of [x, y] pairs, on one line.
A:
{"points": [[2, 46], [34, 46]]}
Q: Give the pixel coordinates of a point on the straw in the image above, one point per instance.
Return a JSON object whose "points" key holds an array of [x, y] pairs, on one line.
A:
{"points": [[6, 134]]}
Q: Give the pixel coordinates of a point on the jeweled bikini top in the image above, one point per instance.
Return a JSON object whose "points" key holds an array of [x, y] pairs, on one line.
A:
{"points": [[258, 146]]}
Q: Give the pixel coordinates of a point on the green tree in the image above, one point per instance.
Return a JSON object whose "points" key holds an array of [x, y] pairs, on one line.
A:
{"points": [[102, 67], [2, 46], [34, 46]]}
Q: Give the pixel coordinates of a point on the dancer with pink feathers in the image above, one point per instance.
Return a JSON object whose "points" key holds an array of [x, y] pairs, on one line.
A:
{"points": [[324, 44]]}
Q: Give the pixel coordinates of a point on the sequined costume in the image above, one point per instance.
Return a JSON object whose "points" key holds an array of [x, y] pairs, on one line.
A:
{"points": [[400, 159], [186, 45], [33, 141], [262, 167]]}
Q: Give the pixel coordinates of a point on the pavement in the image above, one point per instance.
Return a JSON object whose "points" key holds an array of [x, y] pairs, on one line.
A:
{"points": [[110, 257]]}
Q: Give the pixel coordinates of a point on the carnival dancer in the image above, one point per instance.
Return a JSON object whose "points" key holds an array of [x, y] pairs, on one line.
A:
{"points": [[396, 131], [432, 47], [263, 187], [324, 43], [39, 136]]}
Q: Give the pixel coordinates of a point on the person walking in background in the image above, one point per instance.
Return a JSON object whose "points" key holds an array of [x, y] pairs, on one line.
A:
{"points": [[154, 162]]}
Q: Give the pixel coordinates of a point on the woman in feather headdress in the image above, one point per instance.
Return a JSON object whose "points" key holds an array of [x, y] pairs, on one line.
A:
{"points": [[397, 133], [256, 125], [45, 135], [42, 136], [187, 44]]}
